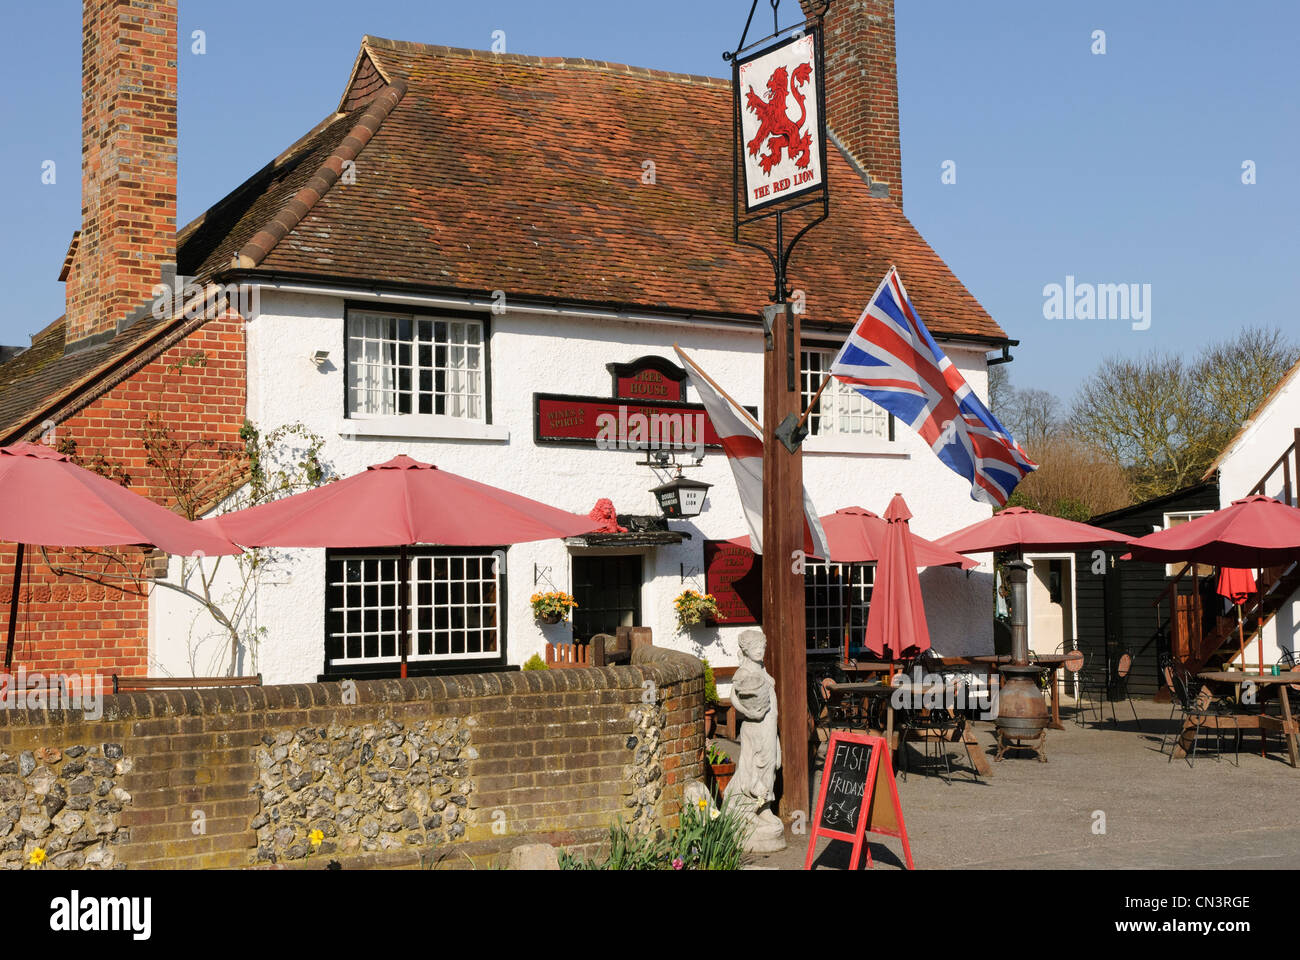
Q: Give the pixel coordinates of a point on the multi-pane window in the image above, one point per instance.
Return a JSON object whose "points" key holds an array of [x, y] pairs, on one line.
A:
{"points": [[836, 595], [455, 607], [1204, 571], [415, 364], [840, 409]]}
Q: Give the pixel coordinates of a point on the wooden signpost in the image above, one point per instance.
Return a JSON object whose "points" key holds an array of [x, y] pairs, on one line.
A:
{"points": [[849, 805]]}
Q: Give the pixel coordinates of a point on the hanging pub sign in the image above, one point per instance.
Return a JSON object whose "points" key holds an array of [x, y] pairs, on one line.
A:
{"points": [[858, 796], [779, 104]]}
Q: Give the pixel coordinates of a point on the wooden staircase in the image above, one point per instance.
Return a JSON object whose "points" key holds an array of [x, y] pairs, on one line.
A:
{"points": [[1202, 649]]}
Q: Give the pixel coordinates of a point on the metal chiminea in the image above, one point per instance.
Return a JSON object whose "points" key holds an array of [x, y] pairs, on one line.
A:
{"points": [[1022, 712]]}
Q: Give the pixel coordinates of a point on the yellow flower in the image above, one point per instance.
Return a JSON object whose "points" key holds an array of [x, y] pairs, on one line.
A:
{"points": [[316, 837], [703, 804], [36, 857]]}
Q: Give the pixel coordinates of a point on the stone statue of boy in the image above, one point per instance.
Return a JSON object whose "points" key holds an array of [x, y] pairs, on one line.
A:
{"points": [[751, 791]]}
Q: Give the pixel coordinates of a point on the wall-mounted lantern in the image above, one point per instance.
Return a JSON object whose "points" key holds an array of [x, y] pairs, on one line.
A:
{"points": [[681, 498]]}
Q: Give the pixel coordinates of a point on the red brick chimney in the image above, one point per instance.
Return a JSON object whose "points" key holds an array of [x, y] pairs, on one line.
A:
{"points": [[862, 87], [128, 164]]}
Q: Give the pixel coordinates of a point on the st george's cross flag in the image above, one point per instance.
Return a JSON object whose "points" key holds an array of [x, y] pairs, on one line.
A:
{"points": [[892, 360], [742, 442]]}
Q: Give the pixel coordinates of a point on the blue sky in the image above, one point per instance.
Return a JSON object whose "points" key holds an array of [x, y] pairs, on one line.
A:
{"points": [[1117, 168]]}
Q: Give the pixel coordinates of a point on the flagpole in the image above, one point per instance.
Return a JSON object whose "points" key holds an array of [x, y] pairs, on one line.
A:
{"points": [[816, 396], [714, 384]]}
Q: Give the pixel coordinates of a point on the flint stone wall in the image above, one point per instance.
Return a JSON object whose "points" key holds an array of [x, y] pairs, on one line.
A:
{"points": [[407, 773]]}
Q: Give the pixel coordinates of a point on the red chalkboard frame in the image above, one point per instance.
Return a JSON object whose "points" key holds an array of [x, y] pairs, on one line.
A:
{"points": [[872, 817]]}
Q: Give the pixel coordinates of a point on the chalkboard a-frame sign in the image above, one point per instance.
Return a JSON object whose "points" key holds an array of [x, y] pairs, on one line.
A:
{"points": [[850, 803]]}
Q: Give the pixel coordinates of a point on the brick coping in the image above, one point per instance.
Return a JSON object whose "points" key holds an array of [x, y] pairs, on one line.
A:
{"points": [[657, 664]]}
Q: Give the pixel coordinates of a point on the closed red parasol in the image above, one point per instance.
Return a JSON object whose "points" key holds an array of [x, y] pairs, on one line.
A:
{"points": [[47, 499], [896, 624]]}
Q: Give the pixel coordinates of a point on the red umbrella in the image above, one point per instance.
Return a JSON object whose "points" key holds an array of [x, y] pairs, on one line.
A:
{"points": [[896, 623], [47, 499], [1255, 532], [856, 535], [401, 503], [1027, 531], [1237, 585]]}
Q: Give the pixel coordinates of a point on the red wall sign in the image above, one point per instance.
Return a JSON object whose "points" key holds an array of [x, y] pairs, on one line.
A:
{"points": [[621, 424], [734, 575], [649, 379]]}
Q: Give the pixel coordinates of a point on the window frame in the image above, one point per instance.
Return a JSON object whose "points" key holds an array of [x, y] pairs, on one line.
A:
{"points": [[861, 587], [434, 665], [1172, 569], [353, 307], [831, 351]]}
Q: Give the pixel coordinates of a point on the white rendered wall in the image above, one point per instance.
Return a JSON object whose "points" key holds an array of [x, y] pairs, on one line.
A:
{"points": [[533, 353], [1243, 466]]}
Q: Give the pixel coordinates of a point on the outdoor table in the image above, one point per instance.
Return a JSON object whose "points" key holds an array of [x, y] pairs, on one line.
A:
{"points": [[871, 687], [1051, 662], [1285, 723]]}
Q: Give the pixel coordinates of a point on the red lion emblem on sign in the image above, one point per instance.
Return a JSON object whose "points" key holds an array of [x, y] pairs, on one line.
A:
{"points": [[777, 129]]}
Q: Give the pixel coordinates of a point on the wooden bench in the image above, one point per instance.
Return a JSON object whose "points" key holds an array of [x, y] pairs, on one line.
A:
{"points": [[138, 684], [725, 713]]}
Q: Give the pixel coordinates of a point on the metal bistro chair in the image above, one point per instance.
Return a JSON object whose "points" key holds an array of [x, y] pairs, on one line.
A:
{"points": [[827, 713], [1097, 687], [1200, 706]]}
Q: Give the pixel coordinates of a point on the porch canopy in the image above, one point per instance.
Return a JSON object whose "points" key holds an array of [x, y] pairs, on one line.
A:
{"points": [[856, 535], [1021, 530], [47, 499], [401, 503]]}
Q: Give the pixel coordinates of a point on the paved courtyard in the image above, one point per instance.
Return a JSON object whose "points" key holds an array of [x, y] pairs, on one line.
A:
{"points": [[1030, 815]]}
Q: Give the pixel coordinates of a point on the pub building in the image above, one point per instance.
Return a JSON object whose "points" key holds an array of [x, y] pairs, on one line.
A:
{"points": [[483, 261]]}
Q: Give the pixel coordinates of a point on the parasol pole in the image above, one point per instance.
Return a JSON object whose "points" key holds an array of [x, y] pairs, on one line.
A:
{"points": [[13, 606]]}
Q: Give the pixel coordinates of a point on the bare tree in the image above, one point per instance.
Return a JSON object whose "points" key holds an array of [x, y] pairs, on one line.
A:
{"points": [[1165, 419]]}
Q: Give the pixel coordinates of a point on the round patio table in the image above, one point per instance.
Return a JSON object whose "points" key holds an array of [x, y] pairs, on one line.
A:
{"points": [[1286, 724]]}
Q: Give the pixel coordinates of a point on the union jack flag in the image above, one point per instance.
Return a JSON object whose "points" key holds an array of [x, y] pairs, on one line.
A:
{"points": [[891, 358]]}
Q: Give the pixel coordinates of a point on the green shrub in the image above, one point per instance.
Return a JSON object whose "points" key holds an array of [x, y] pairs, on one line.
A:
{"points": [[708, 839], [710, 686], [535, 662]]}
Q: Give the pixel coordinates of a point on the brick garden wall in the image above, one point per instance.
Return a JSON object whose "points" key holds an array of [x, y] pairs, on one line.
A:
{"points": [[197, 388], [421, 772]]}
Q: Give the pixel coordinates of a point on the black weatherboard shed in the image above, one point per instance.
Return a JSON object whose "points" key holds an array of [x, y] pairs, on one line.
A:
{"points": [[1116, 609]]}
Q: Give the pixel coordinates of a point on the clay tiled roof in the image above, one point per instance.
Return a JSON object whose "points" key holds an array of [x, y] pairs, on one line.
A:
{"points": [[479, 172], [524, 174]]}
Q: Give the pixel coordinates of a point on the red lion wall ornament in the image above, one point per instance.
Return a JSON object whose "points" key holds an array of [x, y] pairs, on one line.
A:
{"points": [[780, 132], [606, 516]]}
